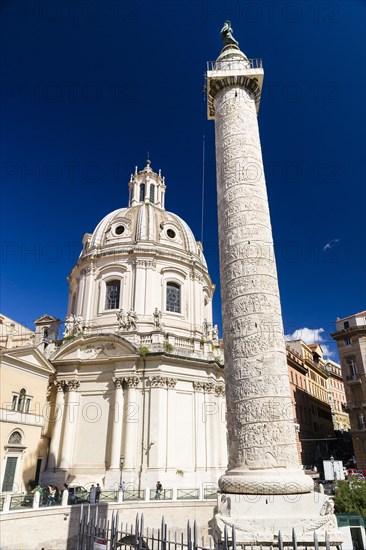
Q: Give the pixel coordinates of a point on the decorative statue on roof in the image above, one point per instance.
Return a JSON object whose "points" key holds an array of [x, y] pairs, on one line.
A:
{"points": [[227, 34], [157, 318]]}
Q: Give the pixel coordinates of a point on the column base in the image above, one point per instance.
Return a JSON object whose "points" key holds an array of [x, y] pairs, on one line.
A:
{"points": [[275, 481], [257, 519]]}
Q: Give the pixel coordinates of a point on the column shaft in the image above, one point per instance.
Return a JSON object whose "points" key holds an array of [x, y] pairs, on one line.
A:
{"points": [[117, 425]]}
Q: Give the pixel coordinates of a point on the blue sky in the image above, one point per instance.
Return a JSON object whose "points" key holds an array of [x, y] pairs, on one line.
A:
{"points": [[87, 88]]}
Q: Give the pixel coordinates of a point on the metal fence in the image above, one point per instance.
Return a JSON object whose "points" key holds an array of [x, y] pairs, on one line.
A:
{"points": [[227, 65], [99, 533]]}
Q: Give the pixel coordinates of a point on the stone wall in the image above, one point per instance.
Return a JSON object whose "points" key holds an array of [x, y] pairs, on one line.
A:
{"points": [[56, 528]]}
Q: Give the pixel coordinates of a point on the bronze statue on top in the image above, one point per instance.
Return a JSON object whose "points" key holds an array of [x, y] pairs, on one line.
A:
{"points": [[227, 35]]}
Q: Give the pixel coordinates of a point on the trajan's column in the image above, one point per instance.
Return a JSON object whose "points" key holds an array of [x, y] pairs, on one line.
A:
{"points": [[264, 488]]}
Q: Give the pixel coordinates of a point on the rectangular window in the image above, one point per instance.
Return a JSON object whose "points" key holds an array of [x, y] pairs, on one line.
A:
{"points": [[347, 341], [14, 403], [346, 324], [8, 482], [173, 297], [112, 294]]}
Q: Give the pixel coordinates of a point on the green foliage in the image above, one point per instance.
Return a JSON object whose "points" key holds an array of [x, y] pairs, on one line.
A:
{"points": [[143, 351], [168, 347], [180, 473], [350, 497], [70, 337]]}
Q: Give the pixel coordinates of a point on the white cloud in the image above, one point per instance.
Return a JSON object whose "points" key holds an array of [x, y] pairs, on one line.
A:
{"points": [[330, 245], [311, 336]]}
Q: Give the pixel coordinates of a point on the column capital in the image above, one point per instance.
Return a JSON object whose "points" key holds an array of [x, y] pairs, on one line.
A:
{"points": [[118, 382], [209, 387], [171, 382], [72, 385], [220, 390], [157, 382], [132, 381], [198, 386], [60, 385], [163, 382]]}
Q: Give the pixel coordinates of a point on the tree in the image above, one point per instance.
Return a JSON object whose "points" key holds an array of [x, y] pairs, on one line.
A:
{"points": [[350, 497]]}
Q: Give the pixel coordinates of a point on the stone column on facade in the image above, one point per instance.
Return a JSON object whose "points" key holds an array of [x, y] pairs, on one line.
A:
{"points": [[221, 425], [262, 454], [200, 427], [117, 425], [210, 418], [70, 421], [158, 422], [132, 420], [58, 417]]}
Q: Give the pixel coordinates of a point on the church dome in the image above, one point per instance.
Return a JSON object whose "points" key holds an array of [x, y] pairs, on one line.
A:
{"points": [[147, 224], [142, 261], [145, 220]]}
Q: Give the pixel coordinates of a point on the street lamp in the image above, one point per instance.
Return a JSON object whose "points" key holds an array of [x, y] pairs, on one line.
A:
{"points": [[121, 463], [332, 461]]}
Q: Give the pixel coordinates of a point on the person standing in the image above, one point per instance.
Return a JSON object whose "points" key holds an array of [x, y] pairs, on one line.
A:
{"points": [[92, 494], [159, 489], [98, 490]]}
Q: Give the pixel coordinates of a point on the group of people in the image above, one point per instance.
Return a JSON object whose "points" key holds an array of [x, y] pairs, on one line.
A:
{"points": [[49, 495]]}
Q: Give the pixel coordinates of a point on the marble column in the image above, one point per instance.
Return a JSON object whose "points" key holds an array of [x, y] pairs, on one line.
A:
{"points": [[263, 465], [70, 422], [221, 422], [57, 425], [261, 434], [117, 425], [132, 420], [200, 436]]}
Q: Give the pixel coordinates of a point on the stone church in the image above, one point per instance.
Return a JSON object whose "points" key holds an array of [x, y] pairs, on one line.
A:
{"points": [[139, 372]]}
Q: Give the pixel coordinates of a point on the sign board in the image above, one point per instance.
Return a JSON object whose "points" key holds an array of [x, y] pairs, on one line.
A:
{"points": [[100, 544], [333, 470]]}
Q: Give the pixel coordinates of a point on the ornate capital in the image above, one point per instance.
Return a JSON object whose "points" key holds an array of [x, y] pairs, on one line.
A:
{"points": [[198, 386], [220, 390], [158, 382], [72, 385], [171, 382], [118, 383], [132, 381], [209, 387], [60, 385]]}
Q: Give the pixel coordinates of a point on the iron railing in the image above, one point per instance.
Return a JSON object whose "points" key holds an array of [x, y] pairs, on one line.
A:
{"points": [[210, 493], [255, 63], [165, 494], [108, 496], [188, 494], [133, 494], [96, 532], [19, 502]]}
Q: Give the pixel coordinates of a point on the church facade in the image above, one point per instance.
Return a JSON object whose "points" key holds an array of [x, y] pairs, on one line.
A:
{"points": [[139, 373]]}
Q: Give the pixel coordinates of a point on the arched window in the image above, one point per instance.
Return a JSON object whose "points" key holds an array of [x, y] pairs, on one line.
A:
{"points": [[15, 438], [142, 192], [152, 193], [173, 297], [21, 400], [112, 294]]}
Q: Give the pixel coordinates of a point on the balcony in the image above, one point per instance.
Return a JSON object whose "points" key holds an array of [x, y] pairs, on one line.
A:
{"points": [[223, 65]]}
